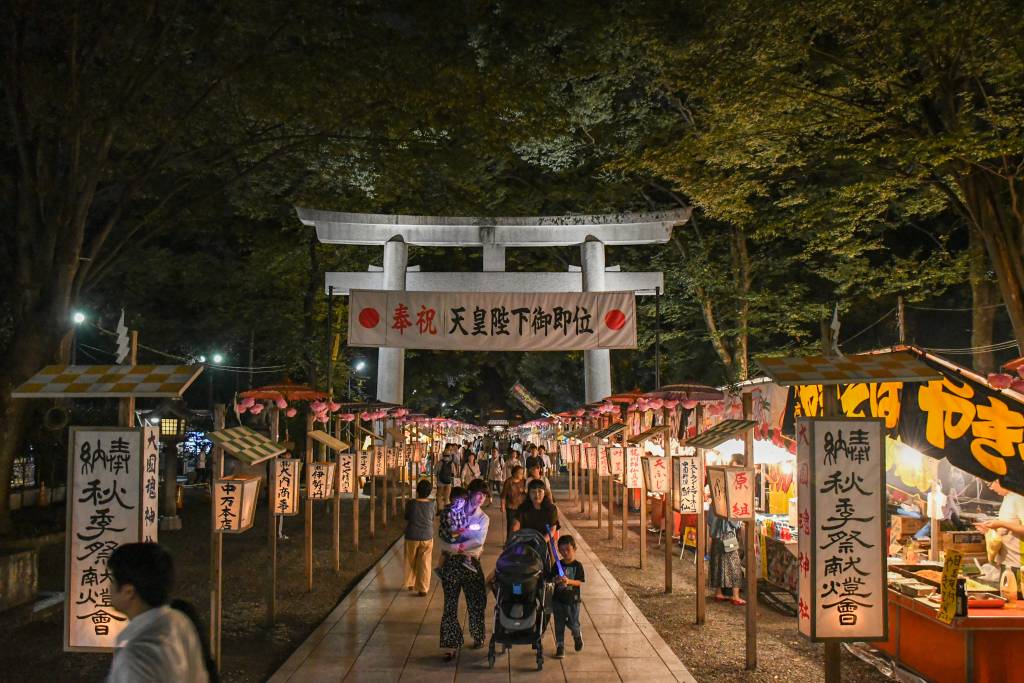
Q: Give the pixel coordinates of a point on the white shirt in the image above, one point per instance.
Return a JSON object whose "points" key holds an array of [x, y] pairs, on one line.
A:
{"points": [[472, 541], [160, 645], [1012, 508]]}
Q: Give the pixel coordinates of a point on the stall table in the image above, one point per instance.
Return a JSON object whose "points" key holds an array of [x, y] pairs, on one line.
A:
{"points": [[984, 646]]}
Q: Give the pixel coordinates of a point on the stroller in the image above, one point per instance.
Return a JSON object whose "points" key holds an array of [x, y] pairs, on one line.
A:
{"points": [[522, 594]]}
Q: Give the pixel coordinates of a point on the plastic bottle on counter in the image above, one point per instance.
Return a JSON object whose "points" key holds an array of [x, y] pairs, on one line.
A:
{"points": [[1008, 587]]}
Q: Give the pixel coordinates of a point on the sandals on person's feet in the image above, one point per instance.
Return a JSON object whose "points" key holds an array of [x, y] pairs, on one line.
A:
{"points": [[722, 598], [450, 656], [738, 601]]}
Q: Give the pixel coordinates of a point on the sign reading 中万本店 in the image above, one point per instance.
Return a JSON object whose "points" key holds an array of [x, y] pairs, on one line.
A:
{"points": [[634, 473], [108, 499], [492, 321], [845, 580], [286, 492], [687, 483]]}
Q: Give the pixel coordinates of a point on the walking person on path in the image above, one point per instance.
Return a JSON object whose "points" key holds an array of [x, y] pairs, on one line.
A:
{"points": [[470, 469], [419, 538], [445, 476], [513, 493], [537, 512], [725, 571], [496, 472], [162, 641], [461, 572]]}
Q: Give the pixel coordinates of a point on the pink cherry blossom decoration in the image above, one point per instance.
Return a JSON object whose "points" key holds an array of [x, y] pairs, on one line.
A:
{"points": [[281, 403], [291, 412], [1000, 380], [256, 408]]}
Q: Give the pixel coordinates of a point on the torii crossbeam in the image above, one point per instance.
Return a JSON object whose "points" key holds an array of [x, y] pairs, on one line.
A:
{"points": [[493, 235]]}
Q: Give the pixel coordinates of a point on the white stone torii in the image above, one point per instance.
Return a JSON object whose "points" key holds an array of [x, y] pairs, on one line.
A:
{"points": [[494, 235]]}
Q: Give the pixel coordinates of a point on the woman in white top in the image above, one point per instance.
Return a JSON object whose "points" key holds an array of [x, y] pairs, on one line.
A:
{"points": [[461, 572], [470, 469]]}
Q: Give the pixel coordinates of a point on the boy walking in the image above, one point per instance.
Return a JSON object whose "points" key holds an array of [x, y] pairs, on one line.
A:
{"points": [[419, 538], [566, 600]]}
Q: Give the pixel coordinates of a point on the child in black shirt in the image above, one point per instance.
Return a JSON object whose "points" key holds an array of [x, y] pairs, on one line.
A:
{"points": [[566, 599]]}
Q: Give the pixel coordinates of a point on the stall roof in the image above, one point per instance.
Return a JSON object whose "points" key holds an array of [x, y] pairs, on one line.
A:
{"points": [[109, 381], [720, 433], [609, 432], [648, 435], [328, 440], [889, 366], [687, 391], [246, 445]]}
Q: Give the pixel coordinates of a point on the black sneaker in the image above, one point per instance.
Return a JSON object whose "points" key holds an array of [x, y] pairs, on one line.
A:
{"points": [[559, 652], [578, 642]]}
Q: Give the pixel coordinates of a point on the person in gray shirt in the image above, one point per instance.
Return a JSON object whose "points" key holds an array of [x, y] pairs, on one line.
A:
{"points": [[419, 538]]}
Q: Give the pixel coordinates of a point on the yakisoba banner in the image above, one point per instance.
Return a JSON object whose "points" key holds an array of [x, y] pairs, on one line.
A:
{"points": [[482, 321]]}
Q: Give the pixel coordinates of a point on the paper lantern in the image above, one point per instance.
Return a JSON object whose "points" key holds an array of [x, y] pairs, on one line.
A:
{"points": [[1000, 380], [286, 486], [281, 403], [291, 412], [256, 408], [732, 491], [234, 503]]}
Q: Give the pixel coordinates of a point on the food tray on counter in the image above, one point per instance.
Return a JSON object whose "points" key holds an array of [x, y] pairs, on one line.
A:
{"points": [[912, 571]]}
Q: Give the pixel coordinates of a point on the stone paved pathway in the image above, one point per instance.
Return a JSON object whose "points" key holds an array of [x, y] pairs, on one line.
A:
{"points": [[382, 633]]}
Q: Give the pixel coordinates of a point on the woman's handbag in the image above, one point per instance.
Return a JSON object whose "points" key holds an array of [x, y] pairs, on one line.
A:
{"points": [[729, 541]]}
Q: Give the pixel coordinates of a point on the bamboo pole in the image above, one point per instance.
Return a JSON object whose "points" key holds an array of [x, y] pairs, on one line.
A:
{"points": [[611, 501], [643, 525], [308, 529], [336, 502], [669, 520], [271, 614]]}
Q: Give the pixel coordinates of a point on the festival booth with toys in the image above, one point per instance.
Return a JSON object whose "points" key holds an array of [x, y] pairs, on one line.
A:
{"points": [[946, 433]]}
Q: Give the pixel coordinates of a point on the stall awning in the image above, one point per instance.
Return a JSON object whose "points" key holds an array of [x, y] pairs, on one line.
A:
{"points": [[109, 381], [649, 435], [246, 445], [720, 433], [328, 440], [888, 366], [609, 432]]}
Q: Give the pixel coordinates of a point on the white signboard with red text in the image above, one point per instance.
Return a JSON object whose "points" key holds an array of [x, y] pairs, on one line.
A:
{"points": [[656, 473], [634, 470]]}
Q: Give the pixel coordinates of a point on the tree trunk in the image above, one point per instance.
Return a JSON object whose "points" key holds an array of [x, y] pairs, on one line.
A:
{"points": [[984, 300]]}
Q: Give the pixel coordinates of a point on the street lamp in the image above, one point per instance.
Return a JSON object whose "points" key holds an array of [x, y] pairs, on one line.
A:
{"points": [[217, 359], [358, 367]]}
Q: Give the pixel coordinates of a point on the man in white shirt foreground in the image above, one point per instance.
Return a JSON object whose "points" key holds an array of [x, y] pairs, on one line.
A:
{"points": [[160, 642]]}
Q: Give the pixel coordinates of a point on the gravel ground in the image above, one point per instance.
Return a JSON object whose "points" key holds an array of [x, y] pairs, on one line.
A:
{"points": [[715, 651], [251, 652]]}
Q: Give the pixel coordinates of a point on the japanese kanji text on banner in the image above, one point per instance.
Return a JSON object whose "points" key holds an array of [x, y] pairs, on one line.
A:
{"points": [[841, 465], [112, 499], [493, 321]]}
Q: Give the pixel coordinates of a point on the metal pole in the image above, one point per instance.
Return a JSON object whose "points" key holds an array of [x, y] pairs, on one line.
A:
{"points": [[657, 337]]}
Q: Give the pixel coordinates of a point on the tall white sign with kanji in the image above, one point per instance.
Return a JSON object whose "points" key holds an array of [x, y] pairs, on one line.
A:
{"points": [[108, 497], [846, 594], [634, 471], [656, 473], [688, 483]]}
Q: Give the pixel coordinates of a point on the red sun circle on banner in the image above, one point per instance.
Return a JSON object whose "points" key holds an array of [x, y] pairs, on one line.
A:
{"points": [[615, 319], [369, 317]]}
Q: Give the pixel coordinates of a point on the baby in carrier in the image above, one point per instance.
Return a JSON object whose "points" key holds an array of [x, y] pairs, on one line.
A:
{"points": [[454, 522]]}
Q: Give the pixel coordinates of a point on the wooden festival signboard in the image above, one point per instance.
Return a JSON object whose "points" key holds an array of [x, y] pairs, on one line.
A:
{"points": [[656, 473], [603, 470], [286, 486], [564, 453], [575, 451], [841, 547], [688, 485], [364, 463], [112, 498], [320, 478], [732, 492], [345, 473], [616, 458], [585, 457], [378, 461], [634, 469]]}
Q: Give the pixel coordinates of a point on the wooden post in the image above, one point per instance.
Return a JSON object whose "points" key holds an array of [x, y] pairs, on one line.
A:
{"points": [[669, 518], [590, 490], [833, 653], [356, 492], [373, 490], [216, 544], [611, 502], [271, 616], [701, 573], [336, 503], [625, 501], [579, 485], [600, 494], [751, 534], [308, 533], [384, 491], [643, 525]]}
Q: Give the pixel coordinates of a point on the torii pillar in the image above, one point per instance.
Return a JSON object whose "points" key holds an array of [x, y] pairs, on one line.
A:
{"points": [[391, 361], [597, 363]]}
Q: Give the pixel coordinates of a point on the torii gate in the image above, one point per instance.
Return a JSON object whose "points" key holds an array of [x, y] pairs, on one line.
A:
{"points": [[396, 232]]}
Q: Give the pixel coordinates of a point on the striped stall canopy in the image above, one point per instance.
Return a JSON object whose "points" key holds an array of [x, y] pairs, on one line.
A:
{"points": [[891, 366], [651, 434], [720, 433], [246, 445], [328, 440], [609, 432], [109, 381]]}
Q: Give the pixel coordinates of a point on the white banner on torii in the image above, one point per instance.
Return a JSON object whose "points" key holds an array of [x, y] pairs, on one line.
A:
{"points": [[493, 321]]}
